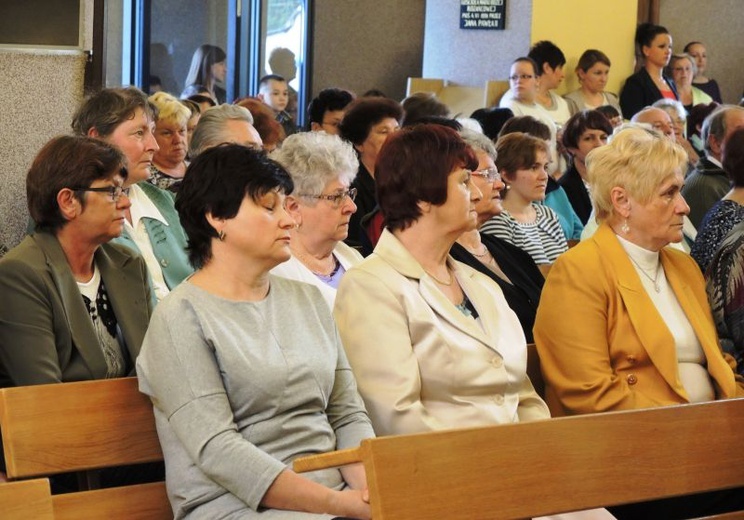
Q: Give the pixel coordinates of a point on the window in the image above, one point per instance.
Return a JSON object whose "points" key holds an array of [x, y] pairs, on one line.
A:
{"points": [[150, 43]]}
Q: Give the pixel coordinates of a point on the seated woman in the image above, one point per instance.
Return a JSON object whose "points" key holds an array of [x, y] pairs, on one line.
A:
{"points": [[593, 70], [710, 86], [245, 370], [322, 167], [682, 69], [555, 195], [524, 82], [584, 131], [124, 118], [171, 133], [366, 125], [511, 268], [638, 332], [75, 307], [534, 228], [432, 342], [624, 321], [727, 212], [725, 286]]}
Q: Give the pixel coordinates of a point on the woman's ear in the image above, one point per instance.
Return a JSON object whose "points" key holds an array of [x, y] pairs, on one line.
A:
{"points": [[218, 224], [292, 205], [620, 201], [93, 132], [69, 205], [424, 207]]}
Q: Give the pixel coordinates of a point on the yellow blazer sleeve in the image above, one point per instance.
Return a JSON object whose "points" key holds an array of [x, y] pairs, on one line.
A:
{"points": [[578, 315]]}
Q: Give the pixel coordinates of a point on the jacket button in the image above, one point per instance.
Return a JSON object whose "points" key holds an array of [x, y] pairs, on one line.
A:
{"points": [[164, 262], [631, 379], [498, 399], [631, 359], [497, 362]]}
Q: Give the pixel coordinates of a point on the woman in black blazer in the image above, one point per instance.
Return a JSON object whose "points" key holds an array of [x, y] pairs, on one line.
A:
{"points": [[649, 84]]}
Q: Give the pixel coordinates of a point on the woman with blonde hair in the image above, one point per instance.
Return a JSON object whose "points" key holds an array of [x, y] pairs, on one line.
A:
{"points": [[171, 133], [624, 321]]}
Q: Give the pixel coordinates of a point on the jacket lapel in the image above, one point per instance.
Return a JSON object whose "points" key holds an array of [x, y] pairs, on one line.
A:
{"points": [[78, 320], [644, 317], [393, 252], [131, 304]]}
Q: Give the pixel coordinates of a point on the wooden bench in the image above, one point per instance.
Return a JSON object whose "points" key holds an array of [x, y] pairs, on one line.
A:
{"points": [[26, 499], [78, 427], [552, 466]]}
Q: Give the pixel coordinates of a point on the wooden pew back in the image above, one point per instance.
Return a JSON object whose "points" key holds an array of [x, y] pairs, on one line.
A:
{"points": [[26, 499], [74, 427], [553, 466]]}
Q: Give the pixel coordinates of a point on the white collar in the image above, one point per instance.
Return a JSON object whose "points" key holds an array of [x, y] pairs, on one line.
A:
{"points": [[143, 207]]}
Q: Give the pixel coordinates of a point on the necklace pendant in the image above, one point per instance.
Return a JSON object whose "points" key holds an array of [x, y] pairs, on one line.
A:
{"points": [[656, 287]]}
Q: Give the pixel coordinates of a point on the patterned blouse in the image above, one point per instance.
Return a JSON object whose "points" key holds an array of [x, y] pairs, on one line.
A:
{"points": [[716, 224], [725, 285], [163, 181], [543, 239]]}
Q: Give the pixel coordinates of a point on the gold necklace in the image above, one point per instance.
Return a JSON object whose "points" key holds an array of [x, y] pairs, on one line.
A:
{"points": [[440, 281]]}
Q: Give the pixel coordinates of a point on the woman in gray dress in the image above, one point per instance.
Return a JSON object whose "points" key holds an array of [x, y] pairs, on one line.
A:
{"points": [[245, 370]]}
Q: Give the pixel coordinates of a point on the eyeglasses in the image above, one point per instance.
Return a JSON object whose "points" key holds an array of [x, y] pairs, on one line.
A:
{"points": [[490, 174], [517, 77], [115, 192], [337, 199]]}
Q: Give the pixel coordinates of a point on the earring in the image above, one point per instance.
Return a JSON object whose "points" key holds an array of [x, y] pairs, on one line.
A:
{"points": [[625, 228], [221, 235]]}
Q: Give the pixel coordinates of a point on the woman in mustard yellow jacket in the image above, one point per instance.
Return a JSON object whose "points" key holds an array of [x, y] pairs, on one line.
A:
{"points": [[623, 321]]}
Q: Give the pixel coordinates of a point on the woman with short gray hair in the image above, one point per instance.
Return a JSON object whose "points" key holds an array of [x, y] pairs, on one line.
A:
{"points": [[322, 167]]}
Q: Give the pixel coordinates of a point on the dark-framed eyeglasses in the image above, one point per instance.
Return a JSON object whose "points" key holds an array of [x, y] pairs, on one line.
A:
{"points": [[336, 199], [115, 192], [490, 174]]}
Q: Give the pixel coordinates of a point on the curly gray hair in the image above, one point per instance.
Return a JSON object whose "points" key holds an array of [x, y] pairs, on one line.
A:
{"points": [[313, 159]]}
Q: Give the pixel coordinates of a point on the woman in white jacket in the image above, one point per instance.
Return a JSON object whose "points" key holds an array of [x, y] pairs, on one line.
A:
{"points": [[322, 167]]}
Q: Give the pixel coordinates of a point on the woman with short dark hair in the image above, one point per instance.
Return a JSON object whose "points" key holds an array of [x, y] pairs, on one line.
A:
{"points": [[245, 369], [584, 131], [367, 124], [74, 306]]}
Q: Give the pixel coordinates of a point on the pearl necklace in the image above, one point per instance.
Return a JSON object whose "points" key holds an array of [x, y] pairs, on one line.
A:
{"points": [[655, 279]]}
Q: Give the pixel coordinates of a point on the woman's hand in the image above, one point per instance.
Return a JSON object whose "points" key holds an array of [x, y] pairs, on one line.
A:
{"points": [[351, 503]]}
